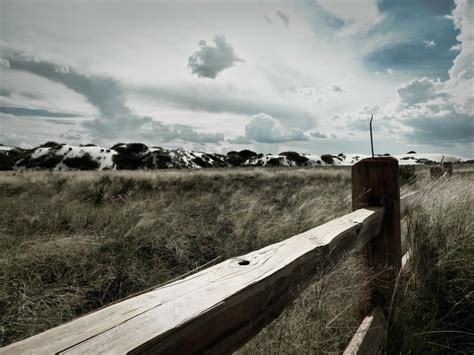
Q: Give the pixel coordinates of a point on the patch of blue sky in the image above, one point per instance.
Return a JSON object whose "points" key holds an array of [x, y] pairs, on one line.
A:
{"points": [[320, 20], [424, 38]]}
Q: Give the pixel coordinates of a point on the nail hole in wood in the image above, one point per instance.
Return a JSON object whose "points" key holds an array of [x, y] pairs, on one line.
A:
{"points": [[244, 262]]}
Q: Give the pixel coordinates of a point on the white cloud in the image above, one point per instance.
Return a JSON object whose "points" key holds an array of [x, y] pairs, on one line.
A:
{"points": [[429, 43], [208, 61], [433, 112], [4, 63], [265, 129], [463, 18], [456, 47], [73, 135]]}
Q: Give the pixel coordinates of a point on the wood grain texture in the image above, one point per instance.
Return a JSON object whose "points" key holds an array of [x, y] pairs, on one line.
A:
{"points": [[215, 310], [375, 182], [368, 338]]}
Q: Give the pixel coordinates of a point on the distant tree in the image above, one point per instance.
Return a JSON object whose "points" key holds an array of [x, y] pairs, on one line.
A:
{"points": [[294, 156], [85, 162], [274, 162], [51, 144], [327, 158], [238, 158], [130, 148], [7, 162], [247, 154]]}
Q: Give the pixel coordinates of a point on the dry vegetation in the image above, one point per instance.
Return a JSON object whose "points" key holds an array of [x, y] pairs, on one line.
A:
{"points": [[73, 242]]}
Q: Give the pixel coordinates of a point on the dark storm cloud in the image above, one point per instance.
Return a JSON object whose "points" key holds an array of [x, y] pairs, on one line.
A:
{"points": [[106, 94], [448, 129], [22, 112], [283, 17], [208, 61]]}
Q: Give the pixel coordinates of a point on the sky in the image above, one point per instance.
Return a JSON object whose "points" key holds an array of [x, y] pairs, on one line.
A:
{"points": [[221, 75]]}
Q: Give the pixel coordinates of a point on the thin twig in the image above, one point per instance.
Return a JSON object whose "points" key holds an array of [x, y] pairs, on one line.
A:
{"points": [[371, 138]]}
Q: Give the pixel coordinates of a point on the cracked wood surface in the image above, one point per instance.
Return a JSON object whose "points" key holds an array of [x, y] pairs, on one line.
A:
{"points": [[215, 310]]}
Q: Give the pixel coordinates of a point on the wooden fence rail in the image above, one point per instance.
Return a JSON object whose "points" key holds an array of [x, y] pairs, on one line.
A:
{"points": [[220, 308]]}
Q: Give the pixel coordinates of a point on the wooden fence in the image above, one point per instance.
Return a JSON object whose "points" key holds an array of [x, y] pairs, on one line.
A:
{"points": [[219, 309]]}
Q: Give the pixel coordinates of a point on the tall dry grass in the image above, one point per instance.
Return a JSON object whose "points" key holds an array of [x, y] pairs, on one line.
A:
{"points": [[73, 242], [433, 312]]}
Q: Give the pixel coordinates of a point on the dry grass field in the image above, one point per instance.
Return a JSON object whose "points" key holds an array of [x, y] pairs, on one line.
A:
{"points": [[73, 242]]}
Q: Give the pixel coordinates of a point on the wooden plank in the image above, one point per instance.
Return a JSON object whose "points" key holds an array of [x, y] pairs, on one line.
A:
{"points": [[216, 310], [405, 201], [368, 338], [375, 182]]}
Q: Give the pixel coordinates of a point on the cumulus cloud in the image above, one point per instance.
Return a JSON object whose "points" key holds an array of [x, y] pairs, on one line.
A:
{"points": [[463, 18], [115, 119], [241, 140], [283, 17], [312, 94], [73, 135], [420, 90], [318, 135], [424, 113], [265, 129], [442, 112], [4, 63], [208, 61], [167, 133]]}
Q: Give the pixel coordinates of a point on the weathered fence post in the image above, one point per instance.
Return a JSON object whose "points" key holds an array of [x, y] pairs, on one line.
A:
{"points": [[375, 183]]}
